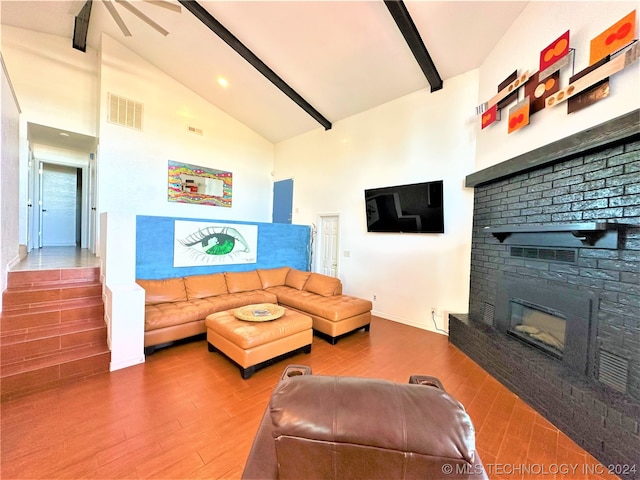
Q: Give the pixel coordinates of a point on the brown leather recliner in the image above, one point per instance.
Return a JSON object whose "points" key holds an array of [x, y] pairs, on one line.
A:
{"points": [[348, 428]]}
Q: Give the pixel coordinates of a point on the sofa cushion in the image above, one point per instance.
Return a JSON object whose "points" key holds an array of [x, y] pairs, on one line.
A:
{"points": [[163, 315], [273, 277], [163, 290], [323, 285], [202, 286], [296, 278], [243, 281]]}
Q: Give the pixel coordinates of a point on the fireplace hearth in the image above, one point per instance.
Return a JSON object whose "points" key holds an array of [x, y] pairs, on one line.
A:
{"points": [[556, 250]]}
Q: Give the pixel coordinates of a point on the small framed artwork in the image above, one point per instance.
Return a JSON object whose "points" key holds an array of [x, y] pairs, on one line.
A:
{"points": [[199, 185]]}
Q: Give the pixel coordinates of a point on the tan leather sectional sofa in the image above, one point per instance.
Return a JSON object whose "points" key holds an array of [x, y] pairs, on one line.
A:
{"points": [[176, 308]]}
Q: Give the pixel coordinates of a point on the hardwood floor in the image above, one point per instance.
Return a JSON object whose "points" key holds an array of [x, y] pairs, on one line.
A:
{"points": [[187, 413]]}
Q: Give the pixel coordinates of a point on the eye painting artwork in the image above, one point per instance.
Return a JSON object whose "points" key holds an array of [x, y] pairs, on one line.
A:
{"points": [[204, 243]]}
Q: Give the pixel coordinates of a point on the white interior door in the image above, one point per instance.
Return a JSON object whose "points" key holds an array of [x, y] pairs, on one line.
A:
{"points": [[328, 236], [59, 205]]}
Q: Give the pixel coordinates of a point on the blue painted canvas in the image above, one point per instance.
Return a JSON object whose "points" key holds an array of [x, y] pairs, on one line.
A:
{"points": [[278, 245]]}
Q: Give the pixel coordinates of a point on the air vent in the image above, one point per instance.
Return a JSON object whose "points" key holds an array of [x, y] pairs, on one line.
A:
{"points": [[613, 371], [550, 254], [125, 112], [487, 314], [196, 130]]}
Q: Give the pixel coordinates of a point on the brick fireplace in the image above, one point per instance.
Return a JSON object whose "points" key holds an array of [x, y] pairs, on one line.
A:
{"points": [[554, 309]]}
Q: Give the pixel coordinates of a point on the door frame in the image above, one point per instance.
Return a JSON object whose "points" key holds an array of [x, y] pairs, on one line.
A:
{"points": [[316, 263], [51, 155]]}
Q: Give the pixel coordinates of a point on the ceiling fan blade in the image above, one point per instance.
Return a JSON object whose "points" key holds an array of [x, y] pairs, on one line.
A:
{"points": [[142, 16], [76, 7], [164, 4], [117, 18]]}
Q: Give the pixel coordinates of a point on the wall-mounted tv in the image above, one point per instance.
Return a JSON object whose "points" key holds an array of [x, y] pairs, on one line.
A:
{"points": [[414, 208]]}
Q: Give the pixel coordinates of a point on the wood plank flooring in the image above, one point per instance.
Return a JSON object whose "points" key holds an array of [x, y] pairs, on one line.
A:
{"points": [[187, 413]]}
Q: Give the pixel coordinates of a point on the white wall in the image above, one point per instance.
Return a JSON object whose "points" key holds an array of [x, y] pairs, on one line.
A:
{"points": [[420, 137], [132, 165], [57, 87], [9, 173], [537, 27]]}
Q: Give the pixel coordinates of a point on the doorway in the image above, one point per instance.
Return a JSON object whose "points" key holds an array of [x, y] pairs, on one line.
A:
{"points": [[328, 239], [60, 205], [282, 201], [61, 187]]}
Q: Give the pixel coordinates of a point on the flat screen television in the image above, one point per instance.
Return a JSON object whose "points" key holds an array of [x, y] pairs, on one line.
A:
{"points": [[414, 208]]}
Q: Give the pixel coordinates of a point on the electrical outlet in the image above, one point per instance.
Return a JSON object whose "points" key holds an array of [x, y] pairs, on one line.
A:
{"points": [[375, 297], [434, 311]]}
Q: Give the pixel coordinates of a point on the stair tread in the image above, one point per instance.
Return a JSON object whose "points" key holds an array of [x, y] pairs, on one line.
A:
{"points": [[46, 331], [57, 358], [53, 305], [36, 295], [53, 286], [49, 276]]}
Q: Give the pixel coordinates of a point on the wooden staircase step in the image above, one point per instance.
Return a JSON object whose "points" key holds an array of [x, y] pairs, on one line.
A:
{"points": [[42, 341], [55, 358], [52, 329], [20, 297], [47, 372], [55, 276], [50, 313]]}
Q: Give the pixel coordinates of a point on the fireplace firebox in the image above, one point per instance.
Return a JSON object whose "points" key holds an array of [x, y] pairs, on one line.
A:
{"points": [[538, 326], [559, 321]]}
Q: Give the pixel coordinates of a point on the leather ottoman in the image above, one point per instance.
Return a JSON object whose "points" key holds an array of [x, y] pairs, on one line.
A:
{"points": [[253, 344]]}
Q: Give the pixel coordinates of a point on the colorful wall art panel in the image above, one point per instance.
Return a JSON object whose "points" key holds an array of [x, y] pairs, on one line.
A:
{"points": [[206, 243], [537, 89], [519, 115], [199, 185], [554, 52], [490, 116], [617, 36], [592, 94], [610, 52]]}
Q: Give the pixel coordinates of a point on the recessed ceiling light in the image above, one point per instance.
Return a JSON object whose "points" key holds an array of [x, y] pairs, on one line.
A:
{"points": [[223, 82], [64, 134]]}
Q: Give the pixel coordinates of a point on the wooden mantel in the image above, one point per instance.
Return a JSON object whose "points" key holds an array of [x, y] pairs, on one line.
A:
{"points": [[607, 134]]}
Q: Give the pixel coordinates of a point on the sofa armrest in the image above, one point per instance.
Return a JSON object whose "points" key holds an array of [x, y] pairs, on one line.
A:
{"points": [[163, 290], [323, 285]]}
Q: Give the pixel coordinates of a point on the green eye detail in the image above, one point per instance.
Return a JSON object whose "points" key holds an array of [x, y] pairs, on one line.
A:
{"points": [[216, 242], [223, 244]]}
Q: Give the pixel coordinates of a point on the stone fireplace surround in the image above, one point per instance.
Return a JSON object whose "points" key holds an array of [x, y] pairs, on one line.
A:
{"points": [[592, 176]]}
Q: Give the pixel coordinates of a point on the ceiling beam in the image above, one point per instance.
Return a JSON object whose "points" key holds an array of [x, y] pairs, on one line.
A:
{"points": [[400, 14], [81, 27], [216, 27]]}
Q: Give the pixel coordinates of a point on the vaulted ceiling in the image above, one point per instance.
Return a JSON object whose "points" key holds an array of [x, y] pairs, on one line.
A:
{"points": [[341, 57]]}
